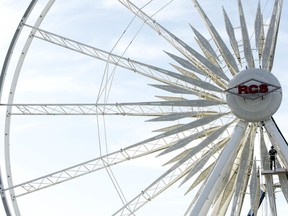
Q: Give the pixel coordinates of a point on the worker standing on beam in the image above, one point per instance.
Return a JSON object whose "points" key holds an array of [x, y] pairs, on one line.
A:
{"points": [[272, 155]]}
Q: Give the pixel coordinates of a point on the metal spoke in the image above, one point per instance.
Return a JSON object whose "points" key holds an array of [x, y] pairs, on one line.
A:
{"points": [[214, 183], [259, 31], [242, 171], [198, 60], [205, 43], [228, 57], [271, 39], [231, 33], [155, 108], [245, 37], [156, 188], [111, 159], [150, 71]]}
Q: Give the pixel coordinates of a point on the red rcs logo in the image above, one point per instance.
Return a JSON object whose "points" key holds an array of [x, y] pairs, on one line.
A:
{"points": [[253, 89]]}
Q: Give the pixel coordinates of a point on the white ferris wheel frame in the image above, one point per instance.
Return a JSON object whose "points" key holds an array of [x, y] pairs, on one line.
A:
{"points": [[222, 166]]}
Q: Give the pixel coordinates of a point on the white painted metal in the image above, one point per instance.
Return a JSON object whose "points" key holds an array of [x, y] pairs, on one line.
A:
{"points": [[259, 29], [271, 194], [278, 171], [284, 184], [244, 187], [255, 189], [226, 197], [131, 109], [203, 175], [231, 34], [156, 188], [205, 43], [227, 55], [277, 141], [135, 66], [229, 188], [185, 141], [268, 178], [246, 40], [213, 69], [224, 163], [2, 79], [202, 161], [185, 63], [282, 179], [271, 39], [254, 106], [208, 140], [242, 172], [188, 126], [198, 60], [87, 167], [10, 101], [263, 152]]}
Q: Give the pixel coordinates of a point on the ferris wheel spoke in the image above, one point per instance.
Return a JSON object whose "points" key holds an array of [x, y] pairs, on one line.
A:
{"points": [[126, 154], [255, 188], [196, 58], [226, 54], [210, 57], [243, 174], [181, 90], [259, 31], [268, 178], [283, 181], [203, 144], [244, 186], [203, 175], [150, 71], [271, 38], [245, 37], [160, 108], [206, 47], [161, 184], [180, 115], [223, 164], [185, 63], [224, 195], [186, 140], [231, 34], [176, 89], [222, 198], [270, 191], [199, 83], [200, 61], [195, 81], [204, 159], [186, 127], [276, 139]]}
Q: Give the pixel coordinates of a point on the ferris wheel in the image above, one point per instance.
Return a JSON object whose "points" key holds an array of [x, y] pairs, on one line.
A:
{"points": [[188, 133]]}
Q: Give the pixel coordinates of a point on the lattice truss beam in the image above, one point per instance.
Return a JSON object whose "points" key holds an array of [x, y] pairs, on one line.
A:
{"points": [[179, 108], [168, 140]]}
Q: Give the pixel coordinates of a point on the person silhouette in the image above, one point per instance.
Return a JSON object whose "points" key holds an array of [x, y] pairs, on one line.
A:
{"points": [[272, 155]]}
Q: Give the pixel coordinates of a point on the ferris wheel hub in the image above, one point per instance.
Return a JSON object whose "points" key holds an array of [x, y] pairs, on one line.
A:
{"points": [[254, 95]]}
